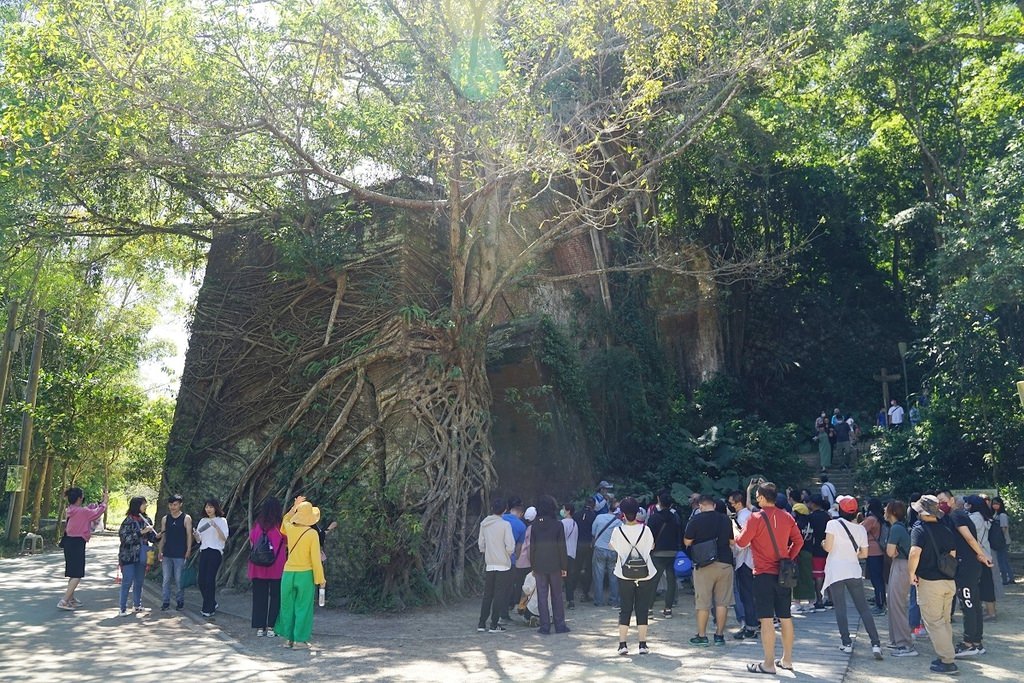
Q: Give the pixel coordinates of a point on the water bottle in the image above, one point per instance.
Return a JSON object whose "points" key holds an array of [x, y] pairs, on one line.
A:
{"points": [[322, 596]]}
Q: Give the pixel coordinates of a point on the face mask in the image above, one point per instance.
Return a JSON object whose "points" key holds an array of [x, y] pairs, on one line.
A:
{"points": [[944, 507]]}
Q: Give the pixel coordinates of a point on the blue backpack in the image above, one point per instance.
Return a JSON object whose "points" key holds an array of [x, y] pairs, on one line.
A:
{"points": [[683, 565]]}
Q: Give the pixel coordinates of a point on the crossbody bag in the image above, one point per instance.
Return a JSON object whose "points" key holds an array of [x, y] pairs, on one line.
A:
{"points": [[789, 571], [946, 563]]}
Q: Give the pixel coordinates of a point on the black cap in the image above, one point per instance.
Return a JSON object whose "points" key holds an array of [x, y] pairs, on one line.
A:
{"points": [[176, 498]]}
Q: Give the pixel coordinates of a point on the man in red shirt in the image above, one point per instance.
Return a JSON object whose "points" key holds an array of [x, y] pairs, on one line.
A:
{"points": [[770, 599]]}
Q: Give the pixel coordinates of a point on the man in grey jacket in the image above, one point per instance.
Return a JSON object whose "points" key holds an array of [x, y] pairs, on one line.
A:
{"points": [[497, 544]]}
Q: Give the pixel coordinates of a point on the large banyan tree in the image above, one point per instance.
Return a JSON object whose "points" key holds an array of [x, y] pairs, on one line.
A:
{"points": [[374, 176]]}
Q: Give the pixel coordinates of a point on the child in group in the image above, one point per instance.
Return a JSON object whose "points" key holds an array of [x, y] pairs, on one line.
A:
{"points": [[76, 534]]}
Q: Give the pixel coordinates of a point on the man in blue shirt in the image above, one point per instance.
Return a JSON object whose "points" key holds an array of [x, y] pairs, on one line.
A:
{"points": [[514, 516], [601, 497], [605, 558]]}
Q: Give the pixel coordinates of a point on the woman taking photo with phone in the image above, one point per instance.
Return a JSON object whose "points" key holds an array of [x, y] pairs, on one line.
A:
{"points": [[212, 531], [136, 534]]}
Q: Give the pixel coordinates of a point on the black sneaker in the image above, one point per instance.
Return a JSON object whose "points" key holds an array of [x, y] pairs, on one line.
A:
{"points": [[164, 607], [570, 605], [948, 669], [719, 640], [828, 604], [699, 640], [180, 606], [819, 607], [666, 613], [965, 650], [497, 628], [482, 628], [745, 634]]}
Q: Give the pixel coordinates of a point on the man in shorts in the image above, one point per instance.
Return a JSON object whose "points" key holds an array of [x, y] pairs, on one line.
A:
{"points": [[76, 534], [712, 581], [770, 599]]}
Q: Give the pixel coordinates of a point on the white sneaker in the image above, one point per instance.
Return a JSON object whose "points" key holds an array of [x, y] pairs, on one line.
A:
{"points": [[904, 652], [270, 633], [65, 605], [124, 613], [623, 650], [260, 632], [846, 648], [876, 650]]}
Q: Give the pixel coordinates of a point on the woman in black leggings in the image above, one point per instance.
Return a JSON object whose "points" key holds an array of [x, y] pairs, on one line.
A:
{"points": [[636, 595]]}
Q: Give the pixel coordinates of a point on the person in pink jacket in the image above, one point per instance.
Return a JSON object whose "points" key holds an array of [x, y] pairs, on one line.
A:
{"points": [[266, 580], [76, 534]]}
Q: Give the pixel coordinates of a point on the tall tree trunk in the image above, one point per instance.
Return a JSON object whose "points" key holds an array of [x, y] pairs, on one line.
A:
{"points": [[48, 485], [14, 529], [37, 502]]}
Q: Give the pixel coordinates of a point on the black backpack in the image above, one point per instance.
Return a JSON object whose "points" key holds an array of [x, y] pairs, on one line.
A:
{"points": [[996, 539], [262, 554]]}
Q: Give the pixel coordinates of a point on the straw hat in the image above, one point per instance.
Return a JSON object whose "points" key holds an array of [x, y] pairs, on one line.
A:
{"points": [[306, 514]]}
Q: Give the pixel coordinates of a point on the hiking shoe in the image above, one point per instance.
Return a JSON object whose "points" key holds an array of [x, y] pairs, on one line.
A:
{"points": [[497, 628], [846, 648], [744, 634], [644, 650], [948, 669], [623, 650], [904, 652], [63, 604], [719, 640], [165, 606], [965, 650], [876, 650], [699, 640], [666, 613], [180, 606]]}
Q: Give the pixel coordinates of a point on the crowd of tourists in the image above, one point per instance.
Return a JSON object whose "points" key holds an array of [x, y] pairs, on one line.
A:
{"points": [[768, 554], [285, 560]]}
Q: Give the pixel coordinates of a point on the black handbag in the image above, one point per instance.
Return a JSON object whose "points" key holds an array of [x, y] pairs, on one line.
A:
{"points": [[704, 553], [789, 571], [946, 563]]}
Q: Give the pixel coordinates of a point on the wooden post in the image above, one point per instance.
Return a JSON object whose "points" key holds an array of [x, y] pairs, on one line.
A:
{"points": [[37, 503], [885, 378], [14, 525]]}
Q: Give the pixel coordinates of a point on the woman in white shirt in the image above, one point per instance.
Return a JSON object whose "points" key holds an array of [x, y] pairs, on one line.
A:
{"points": [[847, 544], [572, 538], [636, 595], [212, 531]]}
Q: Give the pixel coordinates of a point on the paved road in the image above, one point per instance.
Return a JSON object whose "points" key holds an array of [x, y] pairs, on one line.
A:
{"points": [[43, 643]]}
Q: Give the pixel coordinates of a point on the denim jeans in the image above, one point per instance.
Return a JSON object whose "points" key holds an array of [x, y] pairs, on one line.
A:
{"points": [[604, 566], [914, 612], [132, 576], [172, 569], [1005, 570], [743, 586]]}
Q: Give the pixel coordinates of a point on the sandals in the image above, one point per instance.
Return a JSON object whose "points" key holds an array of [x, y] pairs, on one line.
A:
{"points": [[758, 668], [780, 665]]}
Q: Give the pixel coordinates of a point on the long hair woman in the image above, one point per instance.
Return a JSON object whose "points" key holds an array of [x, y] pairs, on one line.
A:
{"points": [[897, 596], [1001, 524], [266, 580], [136, 534], [874, 523], [636, 595], [212, 530]]}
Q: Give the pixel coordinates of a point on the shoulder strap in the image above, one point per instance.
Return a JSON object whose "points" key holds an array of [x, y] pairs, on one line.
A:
{"points": [[604, 529], [856, 547], [935, 546], [771, 535], [632, 546]]}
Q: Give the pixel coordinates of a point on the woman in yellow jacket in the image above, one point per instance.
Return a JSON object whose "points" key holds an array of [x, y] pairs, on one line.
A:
{"points": [[302, 573]]}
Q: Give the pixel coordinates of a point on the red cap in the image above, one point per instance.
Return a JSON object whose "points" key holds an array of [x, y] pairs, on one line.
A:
{"points": [[847, 503]]}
